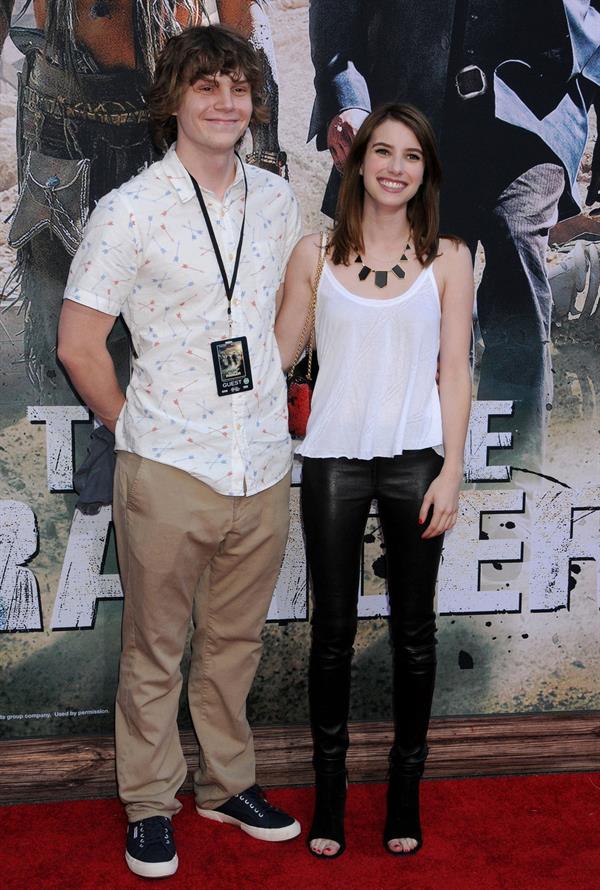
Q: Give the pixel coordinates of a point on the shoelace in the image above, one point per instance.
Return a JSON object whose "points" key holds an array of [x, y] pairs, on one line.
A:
{"points": [[154, 831], [257, 790]]}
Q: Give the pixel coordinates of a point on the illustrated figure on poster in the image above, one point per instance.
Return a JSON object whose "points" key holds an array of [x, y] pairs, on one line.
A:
{"points": [[508, 87], [192, 252], [82, 129], [391, 297]]}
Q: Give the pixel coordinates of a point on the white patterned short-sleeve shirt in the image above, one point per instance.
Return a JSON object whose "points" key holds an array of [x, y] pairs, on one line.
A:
{"points": [[146, 254]]}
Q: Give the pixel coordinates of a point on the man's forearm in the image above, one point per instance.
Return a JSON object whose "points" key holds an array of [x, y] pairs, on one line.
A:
{"points": [[82, 335], [93, 375]]}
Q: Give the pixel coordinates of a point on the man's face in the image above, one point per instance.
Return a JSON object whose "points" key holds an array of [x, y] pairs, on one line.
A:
{"points": [[213, 114]]}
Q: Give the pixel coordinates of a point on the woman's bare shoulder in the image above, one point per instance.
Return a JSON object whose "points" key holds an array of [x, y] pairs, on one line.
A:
{"points": [[309, 245], [306, 252], [453, 253]]}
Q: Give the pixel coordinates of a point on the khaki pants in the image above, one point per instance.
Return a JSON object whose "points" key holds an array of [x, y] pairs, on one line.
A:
{"points": [[185, 550]]}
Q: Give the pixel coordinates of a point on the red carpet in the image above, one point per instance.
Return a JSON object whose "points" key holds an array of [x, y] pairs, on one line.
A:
{"points": [[528, 833]]}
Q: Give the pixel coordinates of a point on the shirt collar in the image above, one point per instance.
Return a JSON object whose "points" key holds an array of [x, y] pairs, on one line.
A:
{"points": [[181, 181]]}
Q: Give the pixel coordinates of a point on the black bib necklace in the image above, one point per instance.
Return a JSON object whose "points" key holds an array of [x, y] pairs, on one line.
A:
{"points": [[381, 278]]}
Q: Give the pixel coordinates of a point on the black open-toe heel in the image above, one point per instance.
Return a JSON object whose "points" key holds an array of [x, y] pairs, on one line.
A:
{"points": [[402, 820], [328, 819]]}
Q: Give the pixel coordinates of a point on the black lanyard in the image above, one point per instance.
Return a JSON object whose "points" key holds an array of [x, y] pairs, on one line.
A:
{"points": [[227, 284]]}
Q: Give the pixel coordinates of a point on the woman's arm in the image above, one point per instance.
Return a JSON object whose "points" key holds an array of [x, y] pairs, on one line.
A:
{"points": [[456, 292], [297, 293]]}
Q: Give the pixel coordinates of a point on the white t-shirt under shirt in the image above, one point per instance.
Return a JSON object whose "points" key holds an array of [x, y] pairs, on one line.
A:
{"points": [[146, 253], [376, 393]]}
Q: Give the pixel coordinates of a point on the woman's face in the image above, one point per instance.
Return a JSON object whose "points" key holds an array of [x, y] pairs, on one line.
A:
{"points": [[393, 166]]}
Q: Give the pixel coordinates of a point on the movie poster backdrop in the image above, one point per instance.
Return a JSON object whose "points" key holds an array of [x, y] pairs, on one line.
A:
{"points": [[511, 90]]}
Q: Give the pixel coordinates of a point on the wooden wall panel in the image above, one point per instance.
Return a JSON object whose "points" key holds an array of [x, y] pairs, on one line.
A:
{"points": [[74, 768]]}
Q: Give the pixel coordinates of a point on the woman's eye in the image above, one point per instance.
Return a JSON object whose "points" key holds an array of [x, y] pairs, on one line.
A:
{"points": [[381, 151]]}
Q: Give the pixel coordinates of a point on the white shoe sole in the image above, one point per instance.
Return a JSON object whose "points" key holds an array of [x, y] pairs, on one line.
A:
{"points": [[152, 869], [286, 833]]}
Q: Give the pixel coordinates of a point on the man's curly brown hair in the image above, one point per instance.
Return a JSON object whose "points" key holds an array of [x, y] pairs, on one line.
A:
{"points": [[196, 53]]}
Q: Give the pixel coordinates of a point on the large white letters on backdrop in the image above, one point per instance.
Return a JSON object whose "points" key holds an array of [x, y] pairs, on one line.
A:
{"points": [[539, 531]]}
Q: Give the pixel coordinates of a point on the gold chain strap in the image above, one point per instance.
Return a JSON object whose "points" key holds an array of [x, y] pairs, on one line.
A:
{"points": [[309, 322]]}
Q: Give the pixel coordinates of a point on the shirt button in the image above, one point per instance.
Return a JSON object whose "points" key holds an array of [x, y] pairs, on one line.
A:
{"points": [[470, 52], [445, 43], [474, 16]]}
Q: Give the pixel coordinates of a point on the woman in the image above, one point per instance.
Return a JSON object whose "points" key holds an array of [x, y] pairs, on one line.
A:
{"points": [[394, 306]]}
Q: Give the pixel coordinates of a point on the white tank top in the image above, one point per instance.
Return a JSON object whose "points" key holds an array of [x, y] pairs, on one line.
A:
{"points": [[376, 393]]}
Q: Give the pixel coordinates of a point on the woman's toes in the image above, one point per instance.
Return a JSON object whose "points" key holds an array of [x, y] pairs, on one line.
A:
{"points": [[324, 847], [402, 844]]}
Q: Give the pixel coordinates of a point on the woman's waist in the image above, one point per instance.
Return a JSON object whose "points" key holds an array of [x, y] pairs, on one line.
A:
{"points": [[402, 385], [384, 407], [367, 443]]}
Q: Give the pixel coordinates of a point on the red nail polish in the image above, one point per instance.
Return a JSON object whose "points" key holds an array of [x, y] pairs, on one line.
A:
{"points": [[421, 521]]}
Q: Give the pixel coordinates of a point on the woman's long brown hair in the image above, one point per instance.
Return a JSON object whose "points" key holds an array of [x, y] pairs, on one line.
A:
{"points": [[423, 208]]}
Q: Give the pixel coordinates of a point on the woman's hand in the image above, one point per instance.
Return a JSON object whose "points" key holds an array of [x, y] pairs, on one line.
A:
{"points": [[442, 495]]}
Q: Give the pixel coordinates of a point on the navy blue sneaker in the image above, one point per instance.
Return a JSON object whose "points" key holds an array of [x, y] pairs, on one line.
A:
{"points": [[150, 849], [253, 813]]}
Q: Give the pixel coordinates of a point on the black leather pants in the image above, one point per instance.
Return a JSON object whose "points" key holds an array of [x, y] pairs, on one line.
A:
{"points": [[336, 498]]}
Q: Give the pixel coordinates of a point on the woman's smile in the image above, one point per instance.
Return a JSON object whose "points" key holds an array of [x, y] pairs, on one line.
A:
{"points": [[393, 163]]}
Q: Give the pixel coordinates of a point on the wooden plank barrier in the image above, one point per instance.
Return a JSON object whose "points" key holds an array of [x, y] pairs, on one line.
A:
{"points": [[83, 767]]}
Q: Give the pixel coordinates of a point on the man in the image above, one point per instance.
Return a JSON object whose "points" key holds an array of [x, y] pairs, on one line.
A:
{"points": [[192, 253], [507, 86], [83, 130]]}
